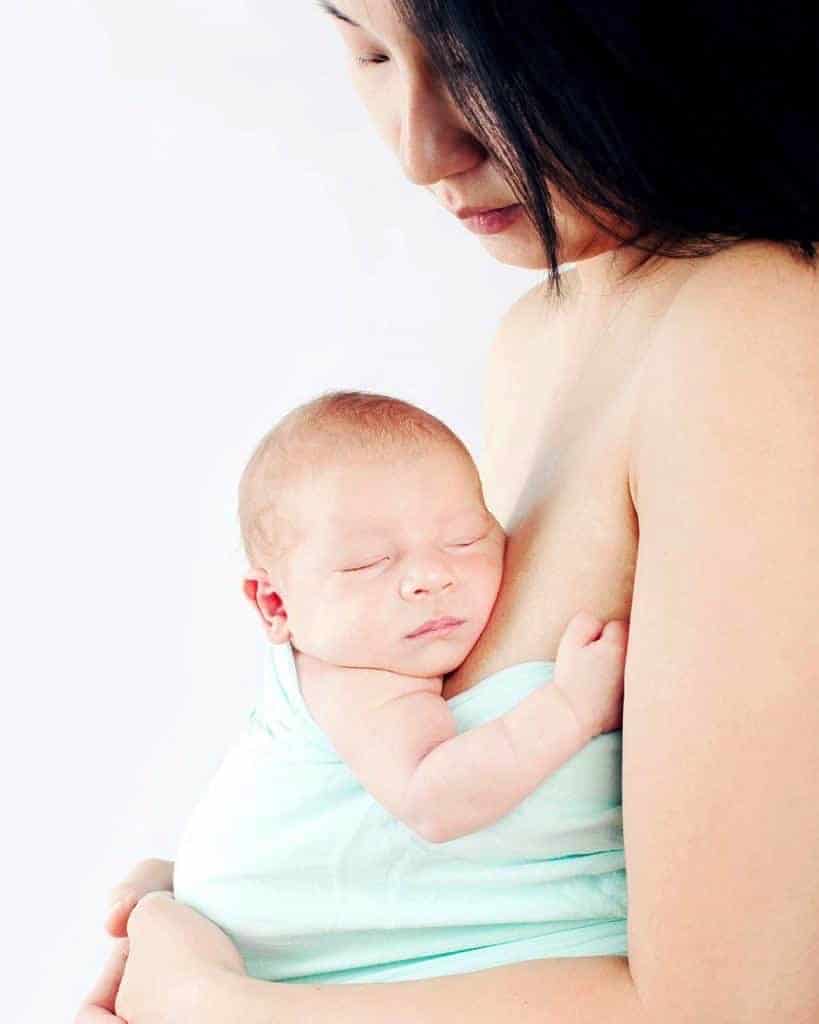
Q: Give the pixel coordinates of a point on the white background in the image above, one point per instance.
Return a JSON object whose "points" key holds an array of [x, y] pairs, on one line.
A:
{"points": [[199, 230]]}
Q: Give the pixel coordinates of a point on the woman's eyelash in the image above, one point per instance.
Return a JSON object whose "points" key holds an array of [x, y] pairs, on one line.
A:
{"points": [[458, 67]]}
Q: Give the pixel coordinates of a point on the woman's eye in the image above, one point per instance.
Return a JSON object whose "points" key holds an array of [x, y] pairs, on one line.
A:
{"points": [[378, 58]]}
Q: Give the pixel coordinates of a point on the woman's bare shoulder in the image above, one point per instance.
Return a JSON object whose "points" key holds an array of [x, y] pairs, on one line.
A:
{"points": [[722, 708], [746, 316], [759, 273], [756, 297], [527, 316]]}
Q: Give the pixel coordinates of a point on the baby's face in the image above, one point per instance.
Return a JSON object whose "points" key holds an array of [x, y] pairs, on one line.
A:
{"points": [[385, 547]]}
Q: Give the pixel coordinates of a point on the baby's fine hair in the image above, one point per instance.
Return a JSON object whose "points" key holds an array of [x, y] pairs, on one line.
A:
{"points": [[319, 431]]}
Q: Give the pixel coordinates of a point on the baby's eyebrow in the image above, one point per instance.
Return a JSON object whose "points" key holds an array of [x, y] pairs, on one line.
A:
{"points": [[328, 8]]}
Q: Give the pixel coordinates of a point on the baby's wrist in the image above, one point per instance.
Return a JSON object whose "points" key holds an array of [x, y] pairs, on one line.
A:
{"points": [[585, 728]]}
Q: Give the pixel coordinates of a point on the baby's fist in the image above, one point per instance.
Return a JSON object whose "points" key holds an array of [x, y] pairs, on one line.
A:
{"points": [[589, 670]]}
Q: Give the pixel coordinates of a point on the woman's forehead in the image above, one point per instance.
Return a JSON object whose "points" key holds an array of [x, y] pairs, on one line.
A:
{"points": [[378, 17]]}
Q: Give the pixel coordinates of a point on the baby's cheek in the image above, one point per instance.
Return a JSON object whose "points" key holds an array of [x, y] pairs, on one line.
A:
{"points": [[492, 573], [326, 626], [351, 631], [487, 589]]}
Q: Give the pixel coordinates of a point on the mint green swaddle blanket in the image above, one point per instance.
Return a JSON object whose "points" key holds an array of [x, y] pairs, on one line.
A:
{"points": [[315, 882]]}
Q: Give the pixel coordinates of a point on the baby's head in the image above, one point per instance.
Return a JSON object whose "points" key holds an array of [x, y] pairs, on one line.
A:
{"points": [[363, 518]]}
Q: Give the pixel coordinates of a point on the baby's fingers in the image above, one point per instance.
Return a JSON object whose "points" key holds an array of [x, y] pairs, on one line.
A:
{"points": [[148, 876], [583, 629], [616, 632]]}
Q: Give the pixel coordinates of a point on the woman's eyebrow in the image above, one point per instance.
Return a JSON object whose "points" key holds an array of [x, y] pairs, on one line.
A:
{"points": [[328, 8]]}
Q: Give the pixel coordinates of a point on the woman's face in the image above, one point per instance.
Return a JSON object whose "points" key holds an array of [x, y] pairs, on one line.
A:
{"points": [[415, 115]]}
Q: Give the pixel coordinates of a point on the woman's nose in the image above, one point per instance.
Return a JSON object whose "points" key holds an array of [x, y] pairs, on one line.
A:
{"points": [[434, 140], [427, 578]]}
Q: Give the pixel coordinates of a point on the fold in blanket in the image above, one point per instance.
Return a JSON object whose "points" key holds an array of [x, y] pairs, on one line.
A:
{"points": [[315, 882]]}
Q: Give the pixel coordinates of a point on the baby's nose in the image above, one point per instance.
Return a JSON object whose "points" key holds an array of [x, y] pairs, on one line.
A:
{"points": [[426, 580]]}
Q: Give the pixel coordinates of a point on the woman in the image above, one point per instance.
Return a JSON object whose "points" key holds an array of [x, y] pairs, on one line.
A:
{"points": [[653, 452]]}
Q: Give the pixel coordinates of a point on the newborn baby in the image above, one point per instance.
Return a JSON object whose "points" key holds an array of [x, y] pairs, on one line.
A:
{"points": [[364, 828], [376, 558]]}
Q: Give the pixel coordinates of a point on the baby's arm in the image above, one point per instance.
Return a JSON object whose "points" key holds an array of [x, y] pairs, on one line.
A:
{"points": [[406, 751]]}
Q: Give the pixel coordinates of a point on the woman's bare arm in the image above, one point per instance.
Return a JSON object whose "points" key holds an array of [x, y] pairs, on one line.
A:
{"points": [[721, 761], [597, 990]]}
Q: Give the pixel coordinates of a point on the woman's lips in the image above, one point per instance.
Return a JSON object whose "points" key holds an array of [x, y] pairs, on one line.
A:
{"points": [[437, 626], [491, 222]]}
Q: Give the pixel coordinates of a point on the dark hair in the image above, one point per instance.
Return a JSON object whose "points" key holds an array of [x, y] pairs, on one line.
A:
{"points": [[695, 123]]}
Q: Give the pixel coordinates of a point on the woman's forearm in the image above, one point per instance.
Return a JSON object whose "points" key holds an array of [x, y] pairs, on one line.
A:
{"points": [[581, 990]]}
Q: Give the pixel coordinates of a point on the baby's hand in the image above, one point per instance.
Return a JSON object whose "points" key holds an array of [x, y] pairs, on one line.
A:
{"points": [[589, 671]]}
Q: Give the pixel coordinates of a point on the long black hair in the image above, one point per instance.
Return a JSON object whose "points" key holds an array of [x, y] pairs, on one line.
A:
{"points": [[695, 123]]}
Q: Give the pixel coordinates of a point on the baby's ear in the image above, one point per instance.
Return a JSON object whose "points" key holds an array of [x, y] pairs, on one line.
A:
{"points": [[259, 590]]}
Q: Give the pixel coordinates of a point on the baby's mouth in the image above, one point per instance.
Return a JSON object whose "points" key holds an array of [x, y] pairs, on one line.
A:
{"points": [[437, 626]]}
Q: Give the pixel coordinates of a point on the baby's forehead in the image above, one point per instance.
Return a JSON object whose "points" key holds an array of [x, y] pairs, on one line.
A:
{"points": [[357, 490], [389, 519]]}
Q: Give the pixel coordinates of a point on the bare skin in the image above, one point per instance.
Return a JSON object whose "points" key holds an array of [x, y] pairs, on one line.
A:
{"points": [[605, 421], [600, 461], [556, 465], [588, 562]]}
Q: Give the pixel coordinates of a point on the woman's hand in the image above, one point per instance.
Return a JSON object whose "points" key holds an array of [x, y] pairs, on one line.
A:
{"points": [[148, 876], [98, 1005], [172, 953]]}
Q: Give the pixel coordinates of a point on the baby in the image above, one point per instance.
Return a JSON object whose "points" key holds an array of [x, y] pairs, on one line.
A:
{"points": [[375, 559], [364, 828]]}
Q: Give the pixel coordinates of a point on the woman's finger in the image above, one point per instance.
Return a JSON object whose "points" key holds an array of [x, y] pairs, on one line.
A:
{"points": [[98, 1005], [151, 875]]}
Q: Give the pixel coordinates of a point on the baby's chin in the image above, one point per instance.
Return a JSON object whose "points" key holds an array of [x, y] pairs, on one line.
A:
{"points": [[422, 657], [430, 663], [438, 658]]}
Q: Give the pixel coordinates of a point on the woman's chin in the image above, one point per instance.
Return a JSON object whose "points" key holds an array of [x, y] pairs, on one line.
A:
{"points": [[525, 252]]}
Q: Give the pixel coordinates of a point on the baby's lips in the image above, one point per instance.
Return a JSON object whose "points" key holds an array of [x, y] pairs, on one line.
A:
{"points": [[446, 621]]}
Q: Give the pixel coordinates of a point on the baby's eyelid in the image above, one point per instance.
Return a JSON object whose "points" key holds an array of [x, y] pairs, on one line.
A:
{"points": [[369, 565]]}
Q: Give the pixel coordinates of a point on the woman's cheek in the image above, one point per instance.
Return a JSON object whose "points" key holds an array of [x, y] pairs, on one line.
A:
{"points": [[375, 94]]}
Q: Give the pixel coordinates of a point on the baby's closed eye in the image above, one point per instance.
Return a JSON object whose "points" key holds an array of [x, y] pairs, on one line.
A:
{"points": [[367, 565]]}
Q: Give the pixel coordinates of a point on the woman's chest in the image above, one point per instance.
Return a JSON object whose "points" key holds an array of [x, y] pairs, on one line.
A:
{"points": [[556, 472]]}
